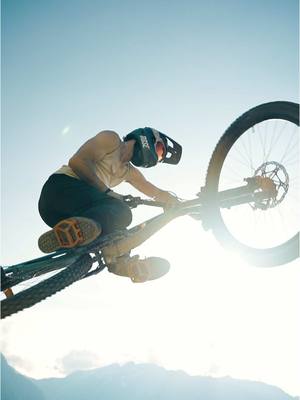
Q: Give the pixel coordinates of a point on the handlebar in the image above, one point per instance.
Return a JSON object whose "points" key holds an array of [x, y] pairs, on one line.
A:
{"points": [[133, 202]]}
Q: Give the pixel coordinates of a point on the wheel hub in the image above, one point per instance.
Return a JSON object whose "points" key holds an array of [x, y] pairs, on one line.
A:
{"points": [[273, 181]]}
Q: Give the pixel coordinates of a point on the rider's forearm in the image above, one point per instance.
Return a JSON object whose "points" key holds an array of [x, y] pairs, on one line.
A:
{"points": [[150, 190], [157, 194], [85, 170], [138, 181]]}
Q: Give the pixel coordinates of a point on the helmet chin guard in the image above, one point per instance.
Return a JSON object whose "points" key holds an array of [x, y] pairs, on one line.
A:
{"points": [[144, 153], [174, 150]]}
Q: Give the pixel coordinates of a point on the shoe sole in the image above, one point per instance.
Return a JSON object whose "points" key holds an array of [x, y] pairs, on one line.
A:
{"points": [[149, 269], [69, 233], [140, 271]]}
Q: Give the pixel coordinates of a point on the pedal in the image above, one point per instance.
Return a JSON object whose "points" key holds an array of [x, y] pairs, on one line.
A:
{"points": [[8, 292], [68, 233]]}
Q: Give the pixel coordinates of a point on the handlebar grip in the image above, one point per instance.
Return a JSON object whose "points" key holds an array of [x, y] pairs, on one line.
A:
{"points": [[133, 202]]}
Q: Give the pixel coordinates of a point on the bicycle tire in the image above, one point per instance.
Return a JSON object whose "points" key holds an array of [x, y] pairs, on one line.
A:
{"points": [[46, 288], [261, 257]]}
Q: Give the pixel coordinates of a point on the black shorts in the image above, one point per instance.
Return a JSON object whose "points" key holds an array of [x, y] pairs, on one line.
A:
{"points": [[63, 196]]}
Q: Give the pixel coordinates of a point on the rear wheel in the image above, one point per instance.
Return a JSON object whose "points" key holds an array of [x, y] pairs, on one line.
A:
{"points": [[28, 293], [264, 143]]}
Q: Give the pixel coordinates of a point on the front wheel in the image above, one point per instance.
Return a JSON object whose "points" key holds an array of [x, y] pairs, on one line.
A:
{"points": [[37, 289], [264, 143]]}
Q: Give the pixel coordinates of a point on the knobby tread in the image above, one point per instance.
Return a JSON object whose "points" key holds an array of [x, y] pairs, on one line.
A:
{"points": [[46, 288], [230, 136], [260, 257]]}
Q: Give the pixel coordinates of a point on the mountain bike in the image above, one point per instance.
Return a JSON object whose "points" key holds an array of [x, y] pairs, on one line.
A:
{"points": [[249, 201]]}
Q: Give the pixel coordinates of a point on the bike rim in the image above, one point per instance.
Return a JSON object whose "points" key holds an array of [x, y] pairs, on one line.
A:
{"points": [[271, 149]]}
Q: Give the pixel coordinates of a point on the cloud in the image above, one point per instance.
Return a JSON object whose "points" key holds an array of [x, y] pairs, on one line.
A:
{"points": [[19, 363], [66, 130], [214, 370], [77, 360]]}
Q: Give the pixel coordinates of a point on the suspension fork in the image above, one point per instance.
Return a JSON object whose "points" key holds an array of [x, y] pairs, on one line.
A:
{"points": [[236, 196]]}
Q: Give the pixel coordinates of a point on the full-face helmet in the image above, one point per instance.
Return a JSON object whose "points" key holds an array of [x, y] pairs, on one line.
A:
{"points": [[152, 146]]}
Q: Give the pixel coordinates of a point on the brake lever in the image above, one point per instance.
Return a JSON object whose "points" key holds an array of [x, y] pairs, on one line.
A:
{"points": [[131, 201]]}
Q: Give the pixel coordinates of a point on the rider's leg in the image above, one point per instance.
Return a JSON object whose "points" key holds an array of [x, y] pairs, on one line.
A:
{"points": [[112, 214], [64, 198]]}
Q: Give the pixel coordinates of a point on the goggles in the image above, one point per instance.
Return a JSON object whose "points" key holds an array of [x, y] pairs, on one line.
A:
{"points": [[160, 150]]}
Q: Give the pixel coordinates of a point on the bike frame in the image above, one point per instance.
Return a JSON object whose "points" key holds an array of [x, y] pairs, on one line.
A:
{"points": [[196, 208], [107, 249]]}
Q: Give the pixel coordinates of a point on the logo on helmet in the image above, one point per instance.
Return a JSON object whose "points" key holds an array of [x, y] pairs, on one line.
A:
{"points": [[145, 142]]}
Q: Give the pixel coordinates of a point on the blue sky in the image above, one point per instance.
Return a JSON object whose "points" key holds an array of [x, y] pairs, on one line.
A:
{"points": [[73, 68], [188, 69]]}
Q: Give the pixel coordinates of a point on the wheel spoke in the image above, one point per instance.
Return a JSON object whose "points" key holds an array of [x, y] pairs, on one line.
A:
{"points": [[268, 135]]}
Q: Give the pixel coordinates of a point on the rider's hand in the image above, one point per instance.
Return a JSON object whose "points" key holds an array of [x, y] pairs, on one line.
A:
{"points": [[168, 198]]}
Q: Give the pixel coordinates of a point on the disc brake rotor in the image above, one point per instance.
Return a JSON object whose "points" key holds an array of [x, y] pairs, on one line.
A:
{"points": [[274, 182]]}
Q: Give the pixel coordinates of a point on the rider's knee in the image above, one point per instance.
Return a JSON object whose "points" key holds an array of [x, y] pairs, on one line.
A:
{"points": [[122, 214]]}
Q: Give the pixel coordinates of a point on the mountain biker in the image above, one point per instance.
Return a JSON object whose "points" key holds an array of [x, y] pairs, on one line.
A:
{"points": [[78, 202]]}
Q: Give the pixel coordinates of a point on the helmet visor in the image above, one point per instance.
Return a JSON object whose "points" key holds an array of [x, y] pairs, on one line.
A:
{"points": [[160, 150]]}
